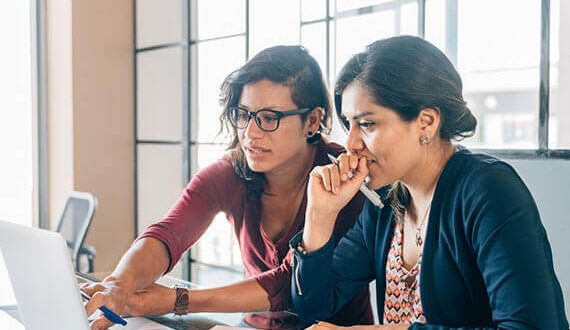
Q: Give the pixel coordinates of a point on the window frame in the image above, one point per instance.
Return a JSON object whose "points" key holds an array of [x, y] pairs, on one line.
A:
{"points": [[190, 43]]}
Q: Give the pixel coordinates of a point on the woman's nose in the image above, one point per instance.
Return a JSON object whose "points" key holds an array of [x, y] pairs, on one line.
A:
{"points": [[354, 141], [252, 130]]}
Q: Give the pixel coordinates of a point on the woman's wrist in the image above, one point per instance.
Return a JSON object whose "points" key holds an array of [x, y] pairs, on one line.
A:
{"points": [[124, 284], [318, 229], [179, 298]]}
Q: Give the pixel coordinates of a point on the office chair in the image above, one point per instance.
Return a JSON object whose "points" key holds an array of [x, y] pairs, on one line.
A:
{"points": [[73, 225]]}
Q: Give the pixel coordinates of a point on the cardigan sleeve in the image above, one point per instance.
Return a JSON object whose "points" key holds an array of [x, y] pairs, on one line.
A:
{"points": [[512, 252], [277, 281], [326, 279]]}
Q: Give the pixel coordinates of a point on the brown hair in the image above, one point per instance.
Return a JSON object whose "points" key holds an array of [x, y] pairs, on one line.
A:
{"points": [[290, 66], [408, 74]]}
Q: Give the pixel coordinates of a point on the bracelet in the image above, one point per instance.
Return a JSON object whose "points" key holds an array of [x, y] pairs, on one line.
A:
{"points": [[300, 248]]}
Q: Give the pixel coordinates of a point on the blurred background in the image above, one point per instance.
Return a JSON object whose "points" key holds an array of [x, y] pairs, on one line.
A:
{"points": [[119, 98]]}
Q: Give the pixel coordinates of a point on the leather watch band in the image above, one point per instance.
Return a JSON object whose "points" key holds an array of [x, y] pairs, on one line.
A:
{"points": [[182, 305]]}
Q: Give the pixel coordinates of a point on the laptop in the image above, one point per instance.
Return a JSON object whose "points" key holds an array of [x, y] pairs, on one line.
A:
{"points": [[44, 283]]}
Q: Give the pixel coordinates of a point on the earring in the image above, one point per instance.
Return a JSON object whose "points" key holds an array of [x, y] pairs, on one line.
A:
{"points": [[310, 134], [424, 139]]}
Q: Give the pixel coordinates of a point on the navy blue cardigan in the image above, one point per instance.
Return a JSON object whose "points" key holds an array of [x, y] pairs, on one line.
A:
{"points": [[487, 262]]}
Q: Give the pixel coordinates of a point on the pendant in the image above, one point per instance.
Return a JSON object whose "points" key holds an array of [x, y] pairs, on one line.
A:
{"points": [[419, 240]]}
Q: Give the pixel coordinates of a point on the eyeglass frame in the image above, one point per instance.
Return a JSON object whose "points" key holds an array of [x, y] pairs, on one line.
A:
{"points": [[253, 114]]}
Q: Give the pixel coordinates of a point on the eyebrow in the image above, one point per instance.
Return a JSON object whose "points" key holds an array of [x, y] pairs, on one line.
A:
{"points": [[360, 115], [271, 107]]}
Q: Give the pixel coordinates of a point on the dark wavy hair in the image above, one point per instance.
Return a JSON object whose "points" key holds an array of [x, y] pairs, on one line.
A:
{"points": [[408, 74], [291, 66]]}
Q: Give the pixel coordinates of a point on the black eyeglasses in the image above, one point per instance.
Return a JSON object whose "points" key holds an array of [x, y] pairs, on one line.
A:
{"points": [[266, 119]]}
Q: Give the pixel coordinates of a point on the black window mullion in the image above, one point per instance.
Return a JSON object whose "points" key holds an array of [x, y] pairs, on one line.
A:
{"points": [[422, 18], [544, 91]]}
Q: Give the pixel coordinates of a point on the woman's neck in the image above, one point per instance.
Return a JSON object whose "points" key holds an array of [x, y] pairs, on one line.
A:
{"points": [[423, 178], [292, 176]]}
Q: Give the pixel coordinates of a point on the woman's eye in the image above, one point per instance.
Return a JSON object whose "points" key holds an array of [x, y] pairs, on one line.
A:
{"points": [[365, 124]]}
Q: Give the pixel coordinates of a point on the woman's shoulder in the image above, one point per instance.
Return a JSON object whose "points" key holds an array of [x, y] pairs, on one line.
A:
{"points": [[482, 184], [218, 173], [480, 169]]}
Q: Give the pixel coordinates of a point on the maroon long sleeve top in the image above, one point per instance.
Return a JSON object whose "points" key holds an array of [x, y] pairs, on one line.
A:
{"points": [[217, 188]]}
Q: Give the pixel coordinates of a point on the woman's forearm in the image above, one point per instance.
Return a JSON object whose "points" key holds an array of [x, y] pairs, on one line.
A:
{"points": [[142, 265], [244, 296], [318, 229]]}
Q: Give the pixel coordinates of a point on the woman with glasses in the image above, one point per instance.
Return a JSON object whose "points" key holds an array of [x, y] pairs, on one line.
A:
{"points": [[459, 243], [276, 110]]}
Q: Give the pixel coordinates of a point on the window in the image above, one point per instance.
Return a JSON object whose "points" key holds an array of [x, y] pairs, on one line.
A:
{"points": [[16, 114], [17, 122], [184, 53]]}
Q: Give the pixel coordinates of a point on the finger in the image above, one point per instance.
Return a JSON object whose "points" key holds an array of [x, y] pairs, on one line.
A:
{"points": [[344, 166], [335, 178], [326, 325], [96, 301], [324, 174], [362, 171], [91, 289], [100, 323], [353, 160]]}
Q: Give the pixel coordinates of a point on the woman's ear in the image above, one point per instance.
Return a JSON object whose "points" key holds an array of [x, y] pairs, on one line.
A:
{"points": [[313, 121], [428, 121]]}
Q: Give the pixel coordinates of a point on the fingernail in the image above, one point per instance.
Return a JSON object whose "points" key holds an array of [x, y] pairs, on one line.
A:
{"points": [[344, 177]]}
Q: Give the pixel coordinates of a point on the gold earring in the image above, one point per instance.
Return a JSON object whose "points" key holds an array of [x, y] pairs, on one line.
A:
{"points": [[424, 139]]}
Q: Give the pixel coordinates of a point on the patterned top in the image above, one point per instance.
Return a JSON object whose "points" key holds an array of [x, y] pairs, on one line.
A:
{"points": [[402, 303]]}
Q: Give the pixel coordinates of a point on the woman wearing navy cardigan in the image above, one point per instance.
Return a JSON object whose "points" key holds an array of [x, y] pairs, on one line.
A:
{"points": [[459, 243]]}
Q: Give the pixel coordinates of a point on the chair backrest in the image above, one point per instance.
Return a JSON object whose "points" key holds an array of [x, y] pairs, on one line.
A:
{"points": [[75, 220]]}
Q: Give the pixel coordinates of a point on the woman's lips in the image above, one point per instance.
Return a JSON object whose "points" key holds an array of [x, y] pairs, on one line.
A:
{"points": [[256, 150]]}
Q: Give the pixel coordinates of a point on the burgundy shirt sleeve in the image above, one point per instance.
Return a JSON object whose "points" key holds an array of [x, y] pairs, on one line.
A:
{"points": [[210, 191], [277, 281]]}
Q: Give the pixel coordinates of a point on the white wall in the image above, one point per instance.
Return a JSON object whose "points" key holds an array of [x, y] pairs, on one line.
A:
{"points": [[549, 183]]}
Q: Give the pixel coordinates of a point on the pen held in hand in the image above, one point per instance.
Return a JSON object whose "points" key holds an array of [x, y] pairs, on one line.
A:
{"points": [[369, 193], [109, 314]]}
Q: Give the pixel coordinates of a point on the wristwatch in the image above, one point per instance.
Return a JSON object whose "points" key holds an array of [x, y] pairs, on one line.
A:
{"points": [[182, 305]]}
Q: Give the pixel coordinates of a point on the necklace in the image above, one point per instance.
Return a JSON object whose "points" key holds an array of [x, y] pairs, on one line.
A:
{"points": [[419, 228]]}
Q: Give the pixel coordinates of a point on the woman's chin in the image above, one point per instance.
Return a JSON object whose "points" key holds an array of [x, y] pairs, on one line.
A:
{"points": [[375, 182]]}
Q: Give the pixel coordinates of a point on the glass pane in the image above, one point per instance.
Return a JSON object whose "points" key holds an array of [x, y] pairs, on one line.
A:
{"points": [[217, 18], [409, 19], [211, 73], [273, 22], [314, 38], [160, 94], [16, 114], [354, 33], [159, 22], [206, 154], [559, 138], [435, 23], [342, 5], [313, 9], [499, 64], [212, 277], [218, 245], [160, 181]]}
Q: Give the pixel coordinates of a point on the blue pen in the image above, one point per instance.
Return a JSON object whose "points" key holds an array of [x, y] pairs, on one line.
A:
{"points": [[109, 314]]}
